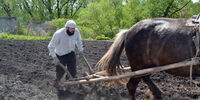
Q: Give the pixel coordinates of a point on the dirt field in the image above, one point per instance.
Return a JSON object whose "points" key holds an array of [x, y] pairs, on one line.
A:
{"points": [[26, 73]]}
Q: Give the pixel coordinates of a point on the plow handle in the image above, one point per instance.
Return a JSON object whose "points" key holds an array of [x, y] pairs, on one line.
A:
{"points": [[89, 67], [66, 71]]}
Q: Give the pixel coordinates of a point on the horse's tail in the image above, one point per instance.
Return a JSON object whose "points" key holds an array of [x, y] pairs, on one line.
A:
{"points": [[111, 60]]}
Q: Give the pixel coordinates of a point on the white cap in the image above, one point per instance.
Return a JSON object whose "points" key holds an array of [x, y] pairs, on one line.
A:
{"points": [[71, 24]]}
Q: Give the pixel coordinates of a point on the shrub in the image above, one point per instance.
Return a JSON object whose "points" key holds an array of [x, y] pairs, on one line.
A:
{"points": [[102, 37], [86, 32], [59, 23], [21, 29]]}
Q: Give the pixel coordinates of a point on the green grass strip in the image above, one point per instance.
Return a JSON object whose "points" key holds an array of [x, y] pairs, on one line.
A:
{"points": [[22, 37]]}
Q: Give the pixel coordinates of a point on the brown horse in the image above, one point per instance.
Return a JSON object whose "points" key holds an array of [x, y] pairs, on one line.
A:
{"points": [[150, 43]]}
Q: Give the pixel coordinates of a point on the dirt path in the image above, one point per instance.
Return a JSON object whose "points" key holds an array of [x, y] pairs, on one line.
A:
{"points": [[26, 73]]}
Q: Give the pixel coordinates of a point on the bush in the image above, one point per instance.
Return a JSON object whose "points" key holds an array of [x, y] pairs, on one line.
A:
{"points": [[86, 32], [102, 37], [21, 29], [110, 33], [59, 23]]}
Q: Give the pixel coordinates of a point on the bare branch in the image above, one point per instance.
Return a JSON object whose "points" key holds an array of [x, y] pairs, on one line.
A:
{"points": [[168, 8], [180, 8]]}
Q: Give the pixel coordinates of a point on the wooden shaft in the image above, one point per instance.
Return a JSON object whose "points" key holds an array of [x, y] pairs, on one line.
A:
{"points": [[104, 72], [89, 67], [63, 78], [66, 70], [100, 74], [135, 73]]}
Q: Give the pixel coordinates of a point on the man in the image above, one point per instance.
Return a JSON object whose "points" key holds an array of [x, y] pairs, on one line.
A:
{"points": [[62, 47]]}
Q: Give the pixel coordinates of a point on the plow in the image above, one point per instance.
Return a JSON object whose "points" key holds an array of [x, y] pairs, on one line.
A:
{"points": [[101, 75]]}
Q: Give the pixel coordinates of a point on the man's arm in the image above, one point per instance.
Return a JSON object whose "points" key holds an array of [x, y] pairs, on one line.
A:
{"points": [[79, 42], [52, 44]]}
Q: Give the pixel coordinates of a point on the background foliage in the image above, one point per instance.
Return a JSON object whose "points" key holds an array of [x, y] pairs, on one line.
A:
{"points": [[96, 19]]}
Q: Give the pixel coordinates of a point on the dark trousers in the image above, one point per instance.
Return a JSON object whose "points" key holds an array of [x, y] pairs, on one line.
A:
{"points": [[69, 60]]}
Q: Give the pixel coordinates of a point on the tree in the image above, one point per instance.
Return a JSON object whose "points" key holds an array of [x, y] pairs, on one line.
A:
{"points": [[166, 8], [59, 6], [6, 7], [73, 6], [49, 5], [27, 6], [99, 16], [133, 12]]}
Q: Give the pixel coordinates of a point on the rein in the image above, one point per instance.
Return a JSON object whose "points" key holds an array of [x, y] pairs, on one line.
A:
{"points": [[196, 42]]}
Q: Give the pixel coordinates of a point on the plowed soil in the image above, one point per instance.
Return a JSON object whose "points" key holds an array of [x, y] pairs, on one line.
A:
{"points": [[26, 73]]}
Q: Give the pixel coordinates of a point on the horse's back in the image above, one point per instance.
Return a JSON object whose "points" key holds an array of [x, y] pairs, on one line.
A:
{"points": [[159, 41], [163, 24]]}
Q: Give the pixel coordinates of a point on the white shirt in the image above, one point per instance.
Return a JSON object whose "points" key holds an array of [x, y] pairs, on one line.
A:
{"points": [[61, 43]]}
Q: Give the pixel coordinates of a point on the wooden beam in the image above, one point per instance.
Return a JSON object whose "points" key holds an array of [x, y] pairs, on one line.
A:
{"points": [[100, 74], [138, 73]]}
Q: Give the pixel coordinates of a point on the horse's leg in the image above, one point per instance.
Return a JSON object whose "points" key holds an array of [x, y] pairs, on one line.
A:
{"points": [[154, 89], [132, 85]]}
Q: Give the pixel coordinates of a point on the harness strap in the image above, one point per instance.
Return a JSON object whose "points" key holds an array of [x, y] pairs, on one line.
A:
{"points": [[196, 42]]}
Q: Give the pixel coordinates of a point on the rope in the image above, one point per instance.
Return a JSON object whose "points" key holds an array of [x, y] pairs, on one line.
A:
{"points": [[196, 41]]}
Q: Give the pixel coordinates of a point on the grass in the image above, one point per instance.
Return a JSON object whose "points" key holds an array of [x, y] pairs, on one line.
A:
{"points": [[26, 37], [22, 37]]}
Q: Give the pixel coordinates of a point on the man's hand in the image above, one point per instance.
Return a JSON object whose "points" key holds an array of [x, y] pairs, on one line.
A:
{"points": [[81, 53], [55, 60]]}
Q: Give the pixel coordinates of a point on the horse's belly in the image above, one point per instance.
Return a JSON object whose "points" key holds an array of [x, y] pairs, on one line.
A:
{"points": [[185, 71]]}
